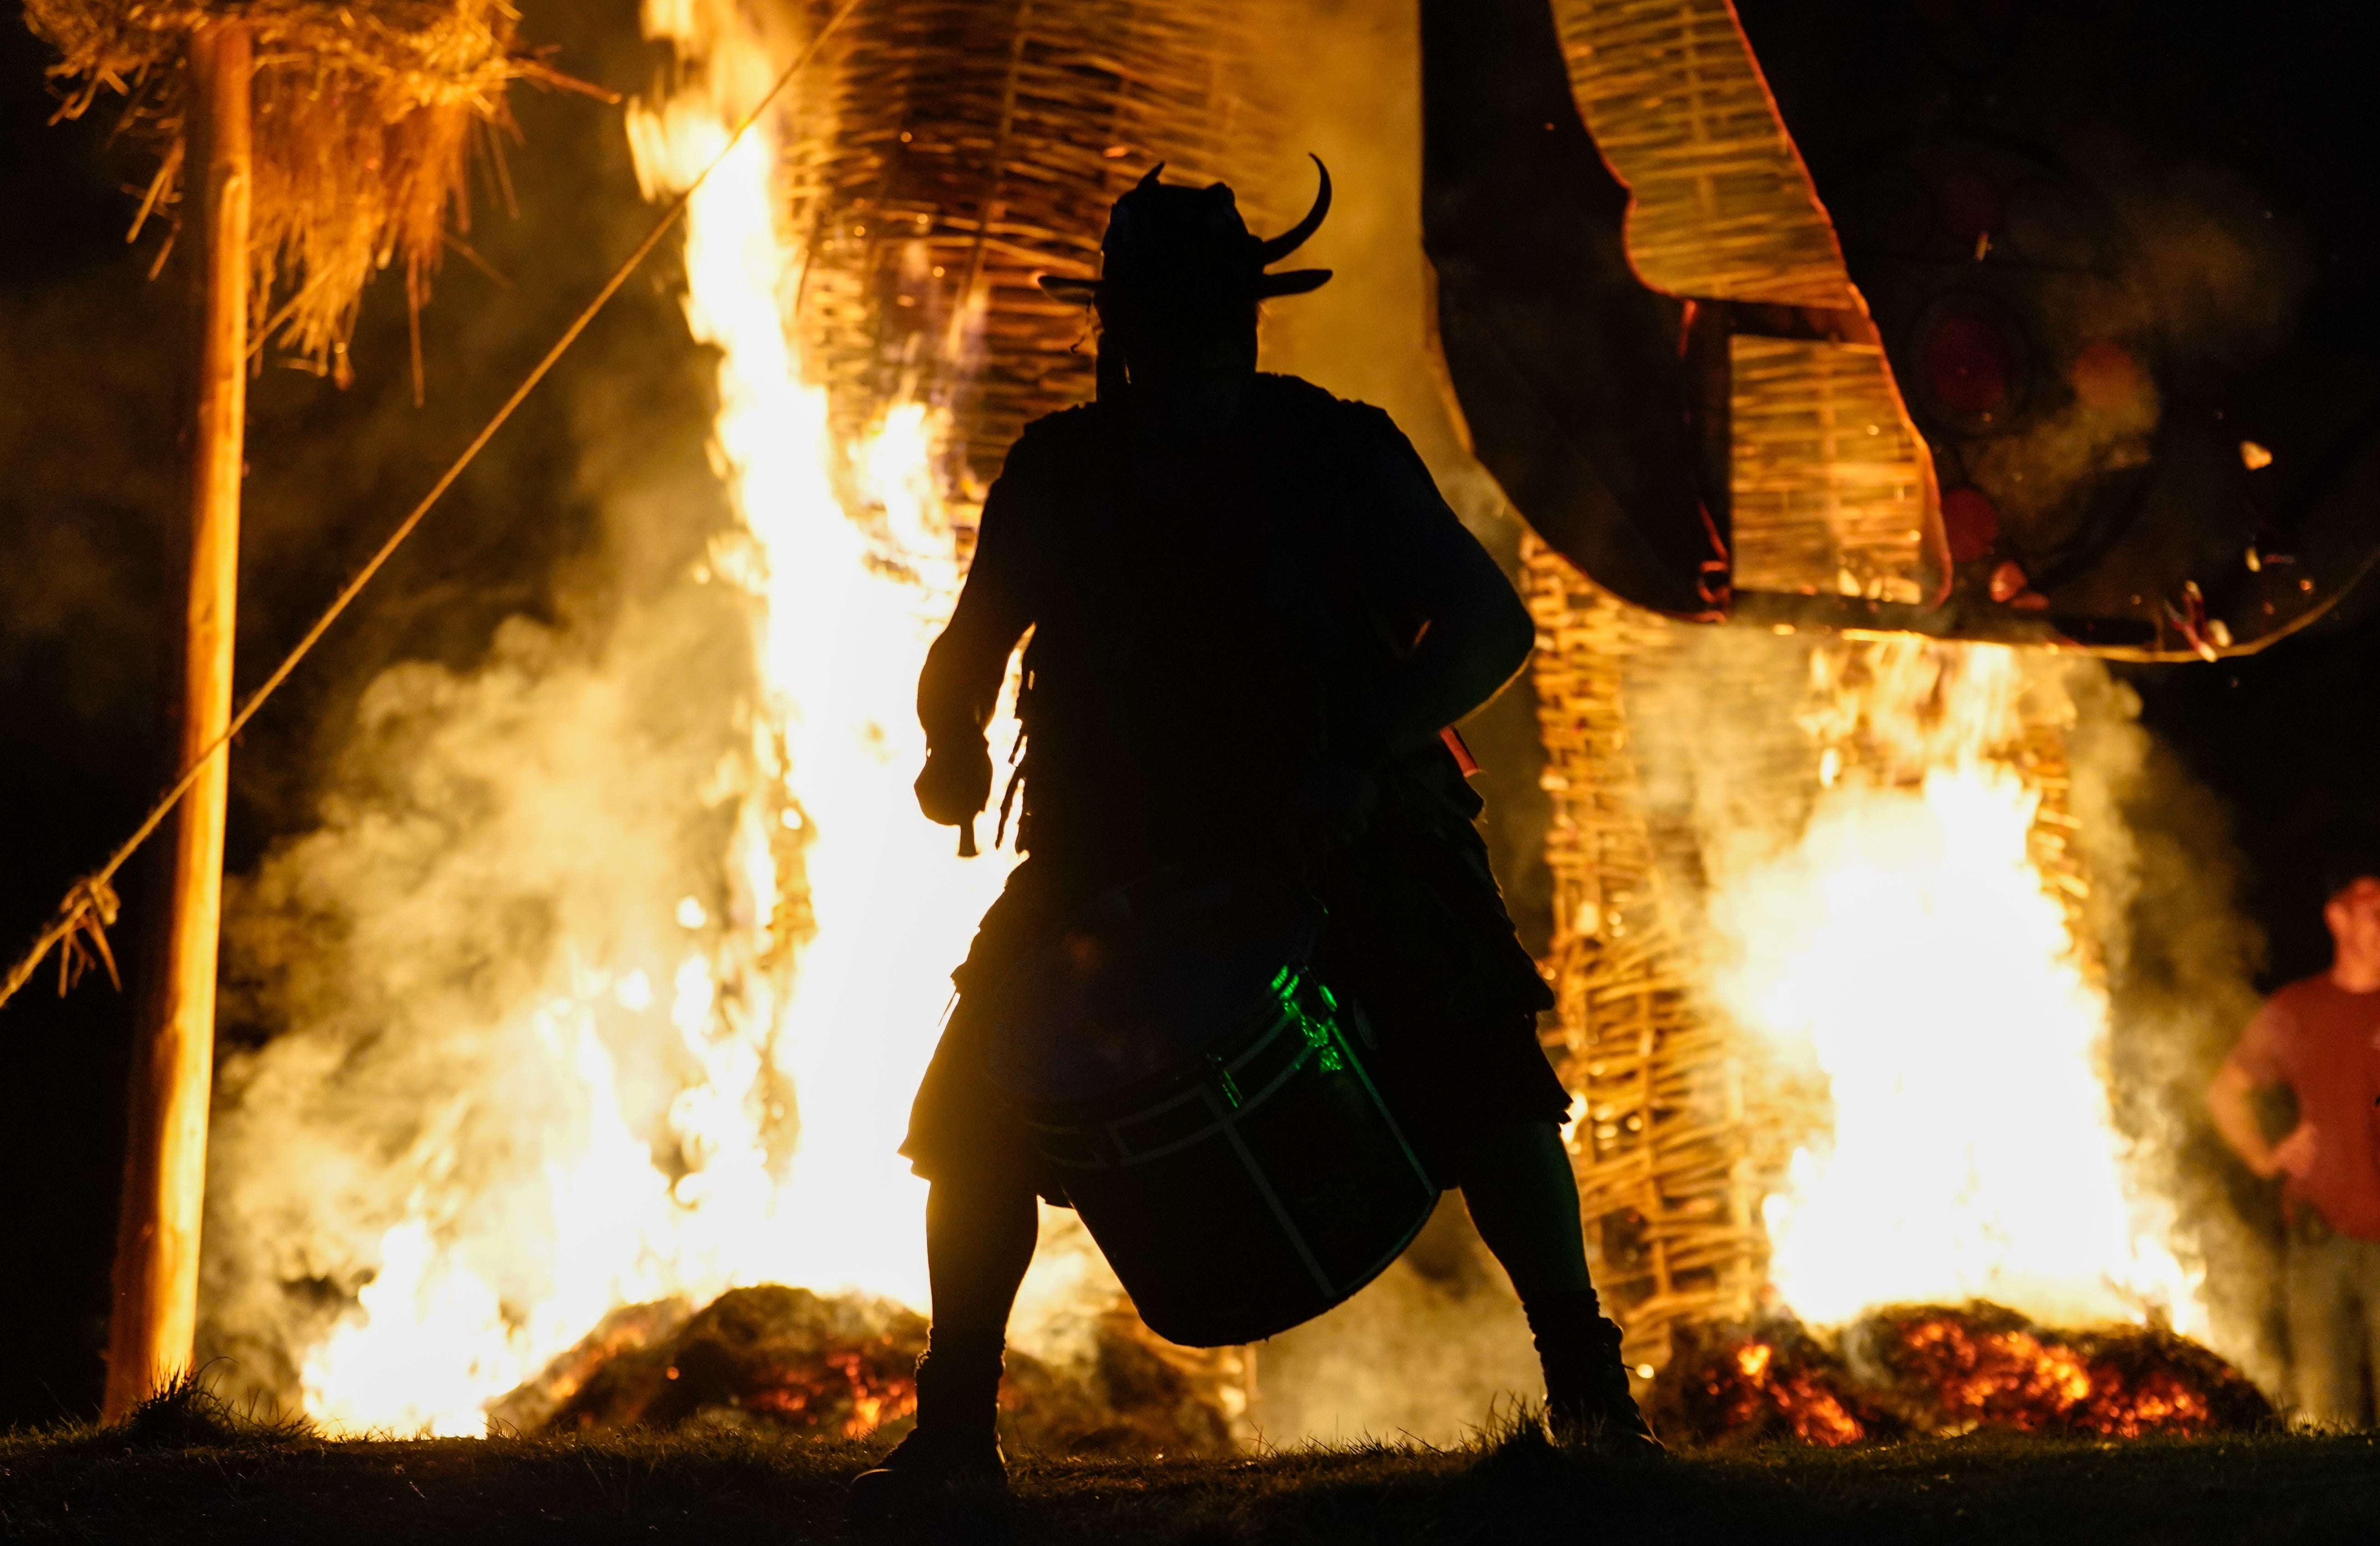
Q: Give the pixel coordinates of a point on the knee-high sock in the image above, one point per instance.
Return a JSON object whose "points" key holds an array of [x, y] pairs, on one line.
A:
{"points": [[979, 1239], [1523, 1199]]}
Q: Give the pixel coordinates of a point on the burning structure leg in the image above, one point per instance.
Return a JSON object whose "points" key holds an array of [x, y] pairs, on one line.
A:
{"points": [[980, 1231], [1517, 1183]]}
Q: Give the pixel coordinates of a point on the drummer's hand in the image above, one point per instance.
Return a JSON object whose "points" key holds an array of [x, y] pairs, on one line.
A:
{"points": [[1330, 810], [957, 783]]}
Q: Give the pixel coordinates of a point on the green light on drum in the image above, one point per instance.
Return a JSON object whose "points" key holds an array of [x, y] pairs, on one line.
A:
{"points": [[1228, 1086], [1319, 1034]]}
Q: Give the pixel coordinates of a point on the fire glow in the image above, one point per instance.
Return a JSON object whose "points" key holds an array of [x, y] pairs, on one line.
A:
{"points": [[1906, 945], [829, 980], [1909, 948], [1942, 1370]]}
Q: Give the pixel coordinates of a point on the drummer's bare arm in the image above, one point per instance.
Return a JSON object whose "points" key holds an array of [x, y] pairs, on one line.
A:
{"points": [[960, 685], [1433, 575]]}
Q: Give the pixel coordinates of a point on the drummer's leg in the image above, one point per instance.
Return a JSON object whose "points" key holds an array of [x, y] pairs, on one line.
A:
{"points": [[980, 1228], [1516, 1180], [979, 1236]]}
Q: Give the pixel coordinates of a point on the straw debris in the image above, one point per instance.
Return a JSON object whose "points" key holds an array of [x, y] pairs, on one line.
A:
{"points": [[366, 118]]}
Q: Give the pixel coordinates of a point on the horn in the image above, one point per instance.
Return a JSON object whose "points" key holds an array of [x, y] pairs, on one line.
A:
{"points": [[1150, 180], [1274, 250]]}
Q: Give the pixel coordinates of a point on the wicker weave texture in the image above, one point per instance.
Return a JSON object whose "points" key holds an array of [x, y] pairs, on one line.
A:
{"points": [[1722, 206], [1674, 1148], [1677, 754], [962, 148], [1828, 491]]}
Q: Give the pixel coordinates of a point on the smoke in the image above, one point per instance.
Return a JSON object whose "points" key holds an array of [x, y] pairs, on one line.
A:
{"points": [[2217, 276], [2181, 957], [494, 810], [1431, 1351], [497, 846]]}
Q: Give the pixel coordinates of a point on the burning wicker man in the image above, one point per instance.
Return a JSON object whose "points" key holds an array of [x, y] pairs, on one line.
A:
{"points": [[1252, 1000]]}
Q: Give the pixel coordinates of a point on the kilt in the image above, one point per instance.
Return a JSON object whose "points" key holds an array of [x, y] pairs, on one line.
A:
{"points": [[1416, 937]]}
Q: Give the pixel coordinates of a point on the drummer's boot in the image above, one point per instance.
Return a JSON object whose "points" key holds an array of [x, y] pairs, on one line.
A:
{"points": [[1587, 1399], [956, 1441]]}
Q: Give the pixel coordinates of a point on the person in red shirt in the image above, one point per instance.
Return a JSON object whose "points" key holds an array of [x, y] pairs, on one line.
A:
{"points": [[2321, 1037]]}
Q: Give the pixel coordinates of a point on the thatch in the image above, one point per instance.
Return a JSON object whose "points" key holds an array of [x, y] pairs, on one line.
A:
{"points": [[366, 115], [962, 148]]}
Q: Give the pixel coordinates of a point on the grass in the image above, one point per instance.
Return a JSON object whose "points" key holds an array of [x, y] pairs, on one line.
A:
{"points": [[188, 1470]]}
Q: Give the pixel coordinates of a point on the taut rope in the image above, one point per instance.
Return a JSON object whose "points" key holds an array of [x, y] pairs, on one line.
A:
{"points": [[78, 929]]}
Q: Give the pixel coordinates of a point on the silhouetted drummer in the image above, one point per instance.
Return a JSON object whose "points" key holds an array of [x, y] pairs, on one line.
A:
{"points": [[1252, 614]]}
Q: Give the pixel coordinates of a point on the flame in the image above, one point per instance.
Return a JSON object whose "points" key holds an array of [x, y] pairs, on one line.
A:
{"points": [[852, 599], [1908, 947], [830, 980]]}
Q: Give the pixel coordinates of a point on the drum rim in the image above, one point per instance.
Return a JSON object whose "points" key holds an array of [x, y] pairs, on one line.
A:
{"points": [[1116, 900], [1209, 1081]]}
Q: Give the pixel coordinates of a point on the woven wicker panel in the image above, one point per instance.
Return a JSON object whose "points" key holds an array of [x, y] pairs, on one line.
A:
{"points": [[1722, 205], [1675, 1149], [961, 150], [1829, 495], [1674, 750]]}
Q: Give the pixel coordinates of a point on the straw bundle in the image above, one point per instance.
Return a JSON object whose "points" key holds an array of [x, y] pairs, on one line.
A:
{"points": [[961, 150], [365, 118]]}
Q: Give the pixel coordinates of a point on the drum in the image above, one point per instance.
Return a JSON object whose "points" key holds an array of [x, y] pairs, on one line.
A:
{"points": [[1205, 1096]]}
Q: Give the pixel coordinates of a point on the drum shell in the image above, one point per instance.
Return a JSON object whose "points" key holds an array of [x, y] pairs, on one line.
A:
{"points": [[1241, 1198]]}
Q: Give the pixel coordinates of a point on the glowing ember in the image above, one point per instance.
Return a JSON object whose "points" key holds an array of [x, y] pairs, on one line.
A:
{"points": [[1908, 947], [1941, 1370], [1981, 1367], [790, 1361], [1810, 1412]]}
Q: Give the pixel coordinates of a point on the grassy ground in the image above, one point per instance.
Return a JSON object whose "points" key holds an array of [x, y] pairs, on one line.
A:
{"points": [[188, 1475]]}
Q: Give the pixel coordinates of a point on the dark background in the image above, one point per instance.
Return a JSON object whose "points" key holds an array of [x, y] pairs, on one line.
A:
{"points": [[91, 356]]}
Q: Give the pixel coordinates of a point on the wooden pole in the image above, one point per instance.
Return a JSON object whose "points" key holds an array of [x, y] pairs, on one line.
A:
{"points": [[172, 1073]]}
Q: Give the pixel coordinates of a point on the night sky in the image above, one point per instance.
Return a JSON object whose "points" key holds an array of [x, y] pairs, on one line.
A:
{"points": [[91, 355]]}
